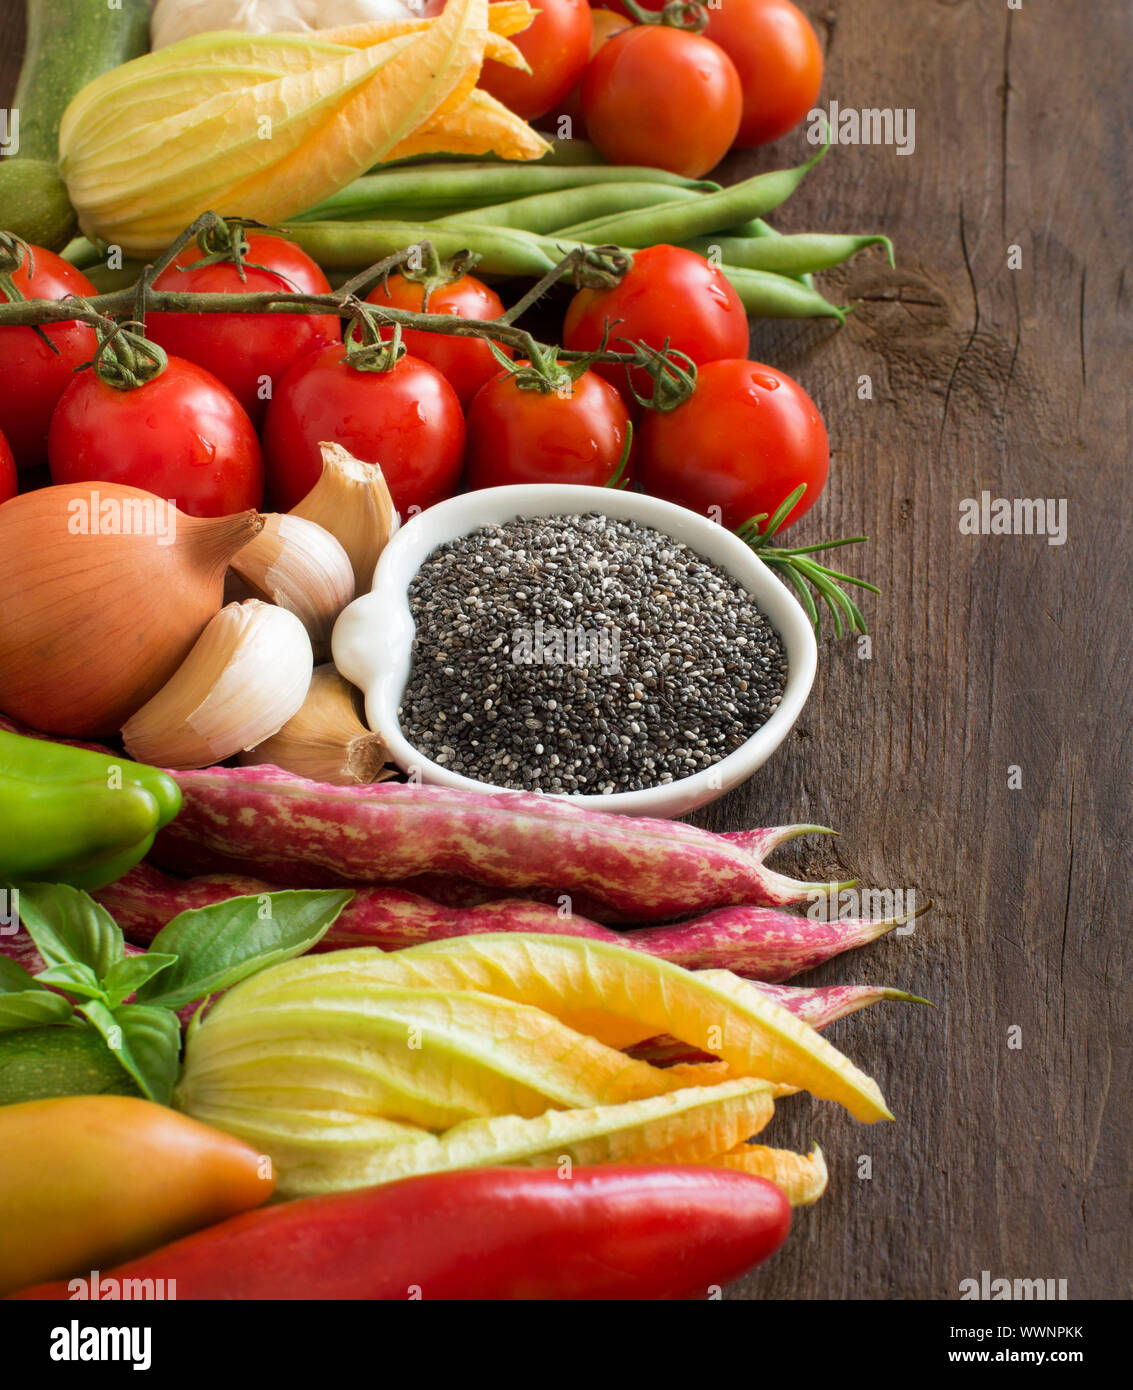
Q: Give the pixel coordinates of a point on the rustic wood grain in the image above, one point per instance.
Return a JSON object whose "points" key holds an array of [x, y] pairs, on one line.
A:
{"points": [[988, 652]]}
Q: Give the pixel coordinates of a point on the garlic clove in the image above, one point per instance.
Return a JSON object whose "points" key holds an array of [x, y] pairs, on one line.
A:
{"points": [[248, 673], [352, 501], [299, 565], [326, 741]]}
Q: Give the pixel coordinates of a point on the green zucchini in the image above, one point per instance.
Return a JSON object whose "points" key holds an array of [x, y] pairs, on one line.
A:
{"points": [[69, 42], [39, 1063], [34, 202]]}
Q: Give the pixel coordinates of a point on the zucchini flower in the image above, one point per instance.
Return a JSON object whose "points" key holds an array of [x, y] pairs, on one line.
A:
{"points": [[264, 126]]}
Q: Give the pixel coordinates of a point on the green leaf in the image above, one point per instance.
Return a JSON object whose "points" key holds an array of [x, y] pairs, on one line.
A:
{"points": [[154, 1040], [14, 979], [145, 1041], [68, 925], [73, 978], [31, 1007], [219, 945], [130, 974]]}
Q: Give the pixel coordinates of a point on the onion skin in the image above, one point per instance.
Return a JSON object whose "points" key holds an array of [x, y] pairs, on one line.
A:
{"points": [[93, 623]]}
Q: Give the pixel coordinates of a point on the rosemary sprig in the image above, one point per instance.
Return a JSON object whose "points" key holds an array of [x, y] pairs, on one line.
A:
{"points": [[794, 564]]}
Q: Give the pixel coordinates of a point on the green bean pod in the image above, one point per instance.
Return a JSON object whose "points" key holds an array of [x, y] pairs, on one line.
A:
{"points": [[768, 295], [453, 187], [678, 221], [509, 251], [755, 226], [544, 213], [349, 245], [799, 254]]}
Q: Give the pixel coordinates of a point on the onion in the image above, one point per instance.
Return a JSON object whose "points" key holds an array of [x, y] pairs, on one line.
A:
{"points": [[104, 591]]}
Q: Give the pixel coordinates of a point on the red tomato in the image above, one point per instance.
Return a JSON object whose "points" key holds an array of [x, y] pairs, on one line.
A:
{"points": [[556, 46], [183, 436], [32, 377], [604, 24], [243, 349], [408, 420], [747, 438], [9, 483], [526, 436], [661, 96], [779, 59], [668, 293], [465, 363]]}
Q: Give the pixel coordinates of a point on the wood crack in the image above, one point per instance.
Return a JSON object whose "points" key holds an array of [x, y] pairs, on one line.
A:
{"points": [[975, 325]]}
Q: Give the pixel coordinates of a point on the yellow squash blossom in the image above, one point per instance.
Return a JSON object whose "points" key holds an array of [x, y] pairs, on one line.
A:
{"points": [[264, 126]]}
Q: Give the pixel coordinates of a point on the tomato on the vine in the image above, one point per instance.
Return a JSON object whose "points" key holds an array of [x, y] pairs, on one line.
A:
{"points": [[742, 443], [556, 45], [407, 420], [662, 96], [32, 375], [465, 363], [779, 59], [183, 436], [9, 482], [525, 435], [250, 353], [668, 293]]}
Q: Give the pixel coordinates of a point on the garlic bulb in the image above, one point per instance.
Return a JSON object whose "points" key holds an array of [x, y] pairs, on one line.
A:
{"points": [[247, 675], [352, 502], [326, 741], [179, 19], [298, 565]]}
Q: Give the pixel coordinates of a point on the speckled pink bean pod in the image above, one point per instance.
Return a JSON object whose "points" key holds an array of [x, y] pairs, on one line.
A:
{"points": [[761, 943], [300, 834]]}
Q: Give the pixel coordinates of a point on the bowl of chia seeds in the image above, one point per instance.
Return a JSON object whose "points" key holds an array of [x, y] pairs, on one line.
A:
{"points": [[581, 642]]}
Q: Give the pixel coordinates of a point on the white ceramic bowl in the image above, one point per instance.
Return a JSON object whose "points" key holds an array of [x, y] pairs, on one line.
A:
{"points": [[373, 638]]}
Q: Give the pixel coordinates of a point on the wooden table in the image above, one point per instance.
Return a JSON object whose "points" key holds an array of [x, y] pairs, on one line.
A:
{"points": [[979, 753]]}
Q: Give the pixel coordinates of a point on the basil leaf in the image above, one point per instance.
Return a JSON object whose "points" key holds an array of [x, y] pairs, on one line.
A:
{"points": [[31, 1007], [68, 925], [227, 941], [146, 1042], [14, 979], [153, 1037], [130, 974], [73, 978]]}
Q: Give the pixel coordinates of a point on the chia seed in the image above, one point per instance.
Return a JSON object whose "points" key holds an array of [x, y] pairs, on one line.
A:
{"points": [[599, 656]]}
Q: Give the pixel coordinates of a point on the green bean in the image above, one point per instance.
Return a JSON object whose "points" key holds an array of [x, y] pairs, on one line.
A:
{"points": [[547, 212], [502, 250], [678, 221], [770, 296], [787, 255], [456, 186], [755, 227], [509, 251], [81, 253]]}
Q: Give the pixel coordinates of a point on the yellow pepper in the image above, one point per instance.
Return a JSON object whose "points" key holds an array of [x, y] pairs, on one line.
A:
{"points": [[90, 1181]]}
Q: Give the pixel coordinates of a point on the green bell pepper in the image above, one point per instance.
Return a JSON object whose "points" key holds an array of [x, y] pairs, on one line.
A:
{"points": [[70, 815]]}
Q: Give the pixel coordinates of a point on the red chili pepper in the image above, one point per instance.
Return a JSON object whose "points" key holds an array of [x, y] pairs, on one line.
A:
{"points": [[492, 1233]]}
